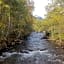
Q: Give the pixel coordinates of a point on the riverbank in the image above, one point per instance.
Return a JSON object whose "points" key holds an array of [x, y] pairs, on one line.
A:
{"points": [[12, 46], [59, 43], [55, 40]]}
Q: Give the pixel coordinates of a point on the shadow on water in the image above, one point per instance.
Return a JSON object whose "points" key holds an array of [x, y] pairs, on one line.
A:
{"points": [[36, 51]]}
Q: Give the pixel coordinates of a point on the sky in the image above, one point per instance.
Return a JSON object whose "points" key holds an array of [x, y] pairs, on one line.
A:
{"points": [[39, 7]]}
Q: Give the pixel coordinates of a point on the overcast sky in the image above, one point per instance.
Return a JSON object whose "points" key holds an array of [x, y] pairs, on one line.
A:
{"points": [[40, 7]]}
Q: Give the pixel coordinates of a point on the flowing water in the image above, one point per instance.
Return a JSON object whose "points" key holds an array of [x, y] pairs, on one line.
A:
{"points": [[36, 51]]}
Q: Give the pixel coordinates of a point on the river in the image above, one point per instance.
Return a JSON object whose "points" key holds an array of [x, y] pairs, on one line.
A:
{"points": [[36, 51]]}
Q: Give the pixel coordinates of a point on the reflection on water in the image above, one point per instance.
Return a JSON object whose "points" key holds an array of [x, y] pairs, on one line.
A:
{"points": [[38, 51]]}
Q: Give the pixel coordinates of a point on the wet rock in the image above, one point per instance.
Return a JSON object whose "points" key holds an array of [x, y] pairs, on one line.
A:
{"points": [[43, 49], [24, 51], [45, 37]]}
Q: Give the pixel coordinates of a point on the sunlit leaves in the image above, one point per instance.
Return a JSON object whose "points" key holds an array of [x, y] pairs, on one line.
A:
{"points": [[15, 15], [1, 2]]}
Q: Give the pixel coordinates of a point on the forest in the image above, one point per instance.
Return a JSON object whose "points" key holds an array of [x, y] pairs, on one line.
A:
{"points": [[53, 22], [17, 21]]}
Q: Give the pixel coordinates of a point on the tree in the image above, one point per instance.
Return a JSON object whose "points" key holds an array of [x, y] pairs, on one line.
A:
{"points": [[15, 19]]}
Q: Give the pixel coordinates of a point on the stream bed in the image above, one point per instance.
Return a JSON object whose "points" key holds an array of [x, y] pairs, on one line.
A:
{"points": [[36, 51]]}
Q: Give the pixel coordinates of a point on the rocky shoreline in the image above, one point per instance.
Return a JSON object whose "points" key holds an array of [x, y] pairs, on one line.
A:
{"points": [[5, 46]]}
